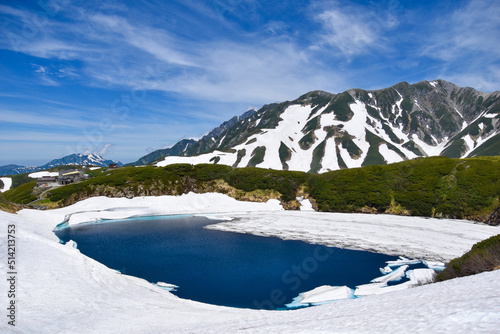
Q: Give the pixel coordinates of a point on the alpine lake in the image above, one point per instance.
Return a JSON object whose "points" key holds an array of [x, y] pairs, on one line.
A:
{"points": [[220, 268]]}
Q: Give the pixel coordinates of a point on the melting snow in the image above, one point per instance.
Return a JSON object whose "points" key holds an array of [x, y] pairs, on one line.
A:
{"points": [[401, 262], [479, 142], [396, 275], [7, 183], [167, 286], [389, 155], [37, 175], [398, 104], [435, 265], [322, 295], [430, 150], [305, 204]]}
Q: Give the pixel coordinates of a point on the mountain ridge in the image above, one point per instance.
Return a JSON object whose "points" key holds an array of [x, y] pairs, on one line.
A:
{"points": [[321, 131], [72, 159]]}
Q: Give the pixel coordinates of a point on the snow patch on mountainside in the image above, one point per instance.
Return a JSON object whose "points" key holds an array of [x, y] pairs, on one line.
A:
{"points": [[7, 183]]}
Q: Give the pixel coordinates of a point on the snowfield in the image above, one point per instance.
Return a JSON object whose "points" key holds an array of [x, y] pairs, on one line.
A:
{"points": [[423, 238], [59, 290], [7, 183]]}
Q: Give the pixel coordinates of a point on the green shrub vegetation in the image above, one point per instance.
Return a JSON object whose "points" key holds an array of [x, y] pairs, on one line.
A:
{"points": [[490, 148], [318, 154], [7, 206], [340, 107], [455, 150], [285, 154], [20, 179], [373, 156], [239, 156], [340, 161], [257, 156], [432, 187], [307, 141], [407, 104], [373, 113], [347, 143], [312, 125], [21, 194], [413, 147], [391, 134], [484, 256]]}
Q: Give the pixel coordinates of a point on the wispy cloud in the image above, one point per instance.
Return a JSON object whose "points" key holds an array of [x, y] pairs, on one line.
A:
{"points": [[45, 75], [352, 30], [467, 42], [471, 29]]}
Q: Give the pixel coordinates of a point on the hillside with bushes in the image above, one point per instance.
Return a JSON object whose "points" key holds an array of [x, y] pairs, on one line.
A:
{"points": [[484, 256], [431, 187]]}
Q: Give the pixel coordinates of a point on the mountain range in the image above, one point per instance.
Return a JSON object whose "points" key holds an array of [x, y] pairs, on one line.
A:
{"points": [[321, 131], [73, 159]]}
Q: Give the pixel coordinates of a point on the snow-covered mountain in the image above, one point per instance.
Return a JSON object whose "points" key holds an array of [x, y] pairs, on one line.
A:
{"points": [[15, 169], [81, 160], [73, 159], [321, 131]]}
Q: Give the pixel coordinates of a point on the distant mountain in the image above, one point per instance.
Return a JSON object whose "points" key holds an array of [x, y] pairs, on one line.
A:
{"points": [[73, 159], [82, 160], [321, 131], [12, 169]]}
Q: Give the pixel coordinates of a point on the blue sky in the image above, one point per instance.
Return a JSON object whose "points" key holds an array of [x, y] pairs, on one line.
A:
{"points": [[123, 78]]}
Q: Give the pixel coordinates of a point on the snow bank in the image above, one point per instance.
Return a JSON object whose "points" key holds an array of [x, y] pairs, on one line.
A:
{"points": [[99, 208], [421, 276], [379, 286], [401, 261], [414, 237], [167, 286], [305, 204], [326, 293], [7, 183], [322, 295], [396, 275], [37, 175], [434, 265]]}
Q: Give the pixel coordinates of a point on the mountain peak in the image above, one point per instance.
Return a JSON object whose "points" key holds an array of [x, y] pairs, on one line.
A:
{"points": [[321, 131]]}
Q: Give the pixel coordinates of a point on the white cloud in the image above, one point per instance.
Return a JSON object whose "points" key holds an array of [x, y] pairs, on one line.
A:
{"points": [[346, 32], [471, 29], [118, 52], [354, 30], [468, 45]]}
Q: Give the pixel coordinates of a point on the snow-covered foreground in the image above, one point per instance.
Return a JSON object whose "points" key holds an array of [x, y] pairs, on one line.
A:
{"points": [[61, 291]]}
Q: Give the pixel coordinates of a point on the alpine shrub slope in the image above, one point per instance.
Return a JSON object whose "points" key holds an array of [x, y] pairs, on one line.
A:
{"points": [[431, 187], [484, 256]]}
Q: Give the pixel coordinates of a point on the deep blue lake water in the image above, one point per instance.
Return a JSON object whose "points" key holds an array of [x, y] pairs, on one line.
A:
{"points": [[221, 268]]}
